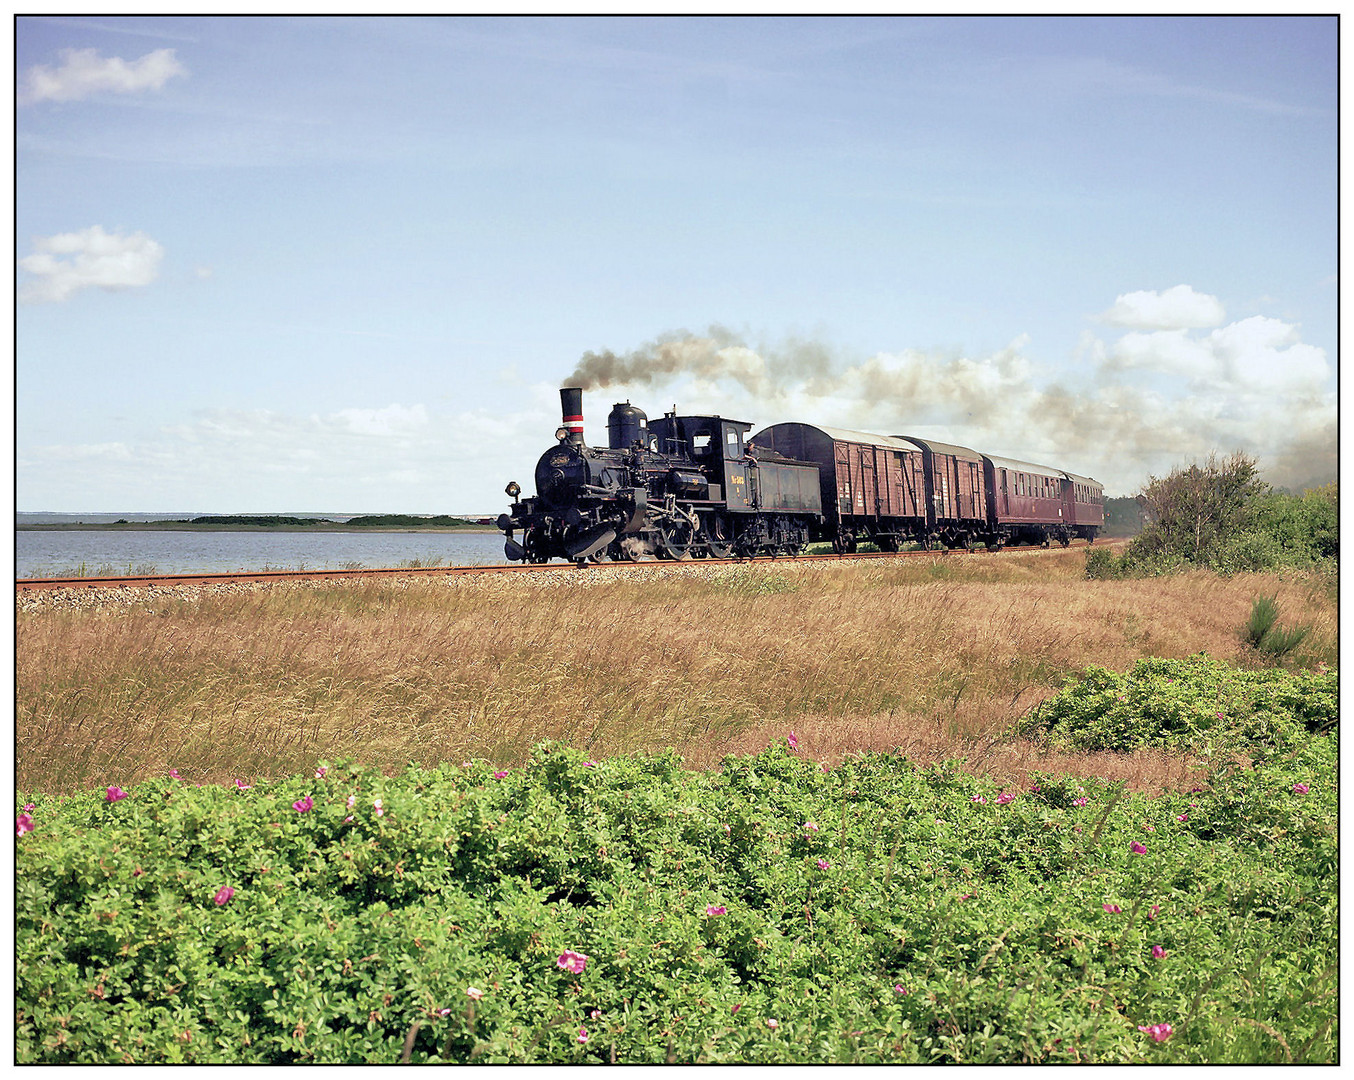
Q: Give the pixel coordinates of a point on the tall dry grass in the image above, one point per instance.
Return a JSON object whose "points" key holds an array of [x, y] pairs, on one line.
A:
{"points": [[936, 657]]}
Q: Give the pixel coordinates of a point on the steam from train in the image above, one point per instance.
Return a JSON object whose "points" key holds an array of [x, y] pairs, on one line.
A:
{"points": [[1124, 426]]}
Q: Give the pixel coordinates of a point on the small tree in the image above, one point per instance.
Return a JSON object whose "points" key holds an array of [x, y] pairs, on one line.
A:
{"points": [[1195, 510]]}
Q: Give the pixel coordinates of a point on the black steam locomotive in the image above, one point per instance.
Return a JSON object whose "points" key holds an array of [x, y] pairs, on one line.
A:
{"points": [[698, 486], [672, 488]]}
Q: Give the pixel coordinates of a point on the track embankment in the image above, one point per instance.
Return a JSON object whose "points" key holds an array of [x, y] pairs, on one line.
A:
{"points": [[38, 593]]}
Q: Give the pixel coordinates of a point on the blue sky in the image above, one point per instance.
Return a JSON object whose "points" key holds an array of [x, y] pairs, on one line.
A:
{"points": [[345, 264]]}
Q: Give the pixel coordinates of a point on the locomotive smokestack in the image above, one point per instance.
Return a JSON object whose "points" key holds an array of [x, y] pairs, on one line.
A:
{"points": [[571, 406]]}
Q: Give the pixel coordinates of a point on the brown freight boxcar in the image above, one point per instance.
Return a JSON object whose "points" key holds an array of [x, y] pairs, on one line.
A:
{"points": [[956, 490], [873, 486]]}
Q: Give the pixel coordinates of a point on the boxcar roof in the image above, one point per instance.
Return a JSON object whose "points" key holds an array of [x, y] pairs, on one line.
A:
{"points": [[845, 435], [1024, 466], [944, 448]]}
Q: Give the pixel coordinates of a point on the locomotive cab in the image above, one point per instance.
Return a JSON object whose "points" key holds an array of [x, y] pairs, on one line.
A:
{"points": [[714, 445]]}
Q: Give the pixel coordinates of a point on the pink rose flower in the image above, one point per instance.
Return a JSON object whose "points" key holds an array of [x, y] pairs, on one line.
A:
{"points": [[473, 993], [223, 895], [716, 909], [302, 805], [573, 961], [114, 794], [1159, 1032], [24, 824]]}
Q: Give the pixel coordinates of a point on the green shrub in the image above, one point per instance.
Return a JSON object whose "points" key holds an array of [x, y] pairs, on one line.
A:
{"points": [[1191, 705], [879, 912], [1220, 515], [1104, 564]]}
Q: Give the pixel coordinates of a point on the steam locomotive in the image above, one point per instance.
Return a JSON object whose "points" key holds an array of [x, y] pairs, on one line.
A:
{"points": [[685, 486]]}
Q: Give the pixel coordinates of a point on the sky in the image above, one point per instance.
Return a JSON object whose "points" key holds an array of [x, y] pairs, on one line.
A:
{"points": [[344, 264]]}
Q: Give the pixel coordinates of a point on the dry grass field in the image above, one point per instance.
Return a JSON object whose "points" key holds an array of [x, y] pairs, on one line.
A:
{"points": [[933, 656]]}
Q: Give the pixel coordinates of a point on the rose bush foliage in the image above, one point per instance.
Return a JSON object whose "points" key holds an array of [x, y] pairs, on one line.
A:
{"points": [[877, 912]]}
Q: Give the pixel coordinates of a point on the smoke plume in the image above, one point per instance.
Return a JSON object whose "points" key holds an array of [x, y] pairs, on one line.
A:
{"points": [[716, 355], [1130, 407]]}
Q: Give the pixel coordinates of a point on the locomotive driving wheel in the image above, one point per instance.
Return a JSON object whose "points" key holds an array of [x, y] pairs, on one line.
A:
{"points": [[674, 539], [718, 533]]}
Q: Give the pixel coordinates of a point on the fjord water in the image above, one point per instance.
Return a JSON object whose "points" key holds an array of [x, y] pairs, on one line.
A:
{"points": [[75, 552]]}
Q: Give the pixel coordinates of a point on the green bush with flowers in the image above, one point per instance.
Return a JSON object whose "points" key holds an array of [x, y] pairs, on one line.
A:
{"points": [[629, 910], [1194, 705]]}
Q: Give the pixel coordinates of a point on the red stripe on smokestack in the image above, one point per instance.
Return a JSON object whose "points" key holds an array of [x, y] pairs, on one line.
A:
{"points": [[571, 408]]}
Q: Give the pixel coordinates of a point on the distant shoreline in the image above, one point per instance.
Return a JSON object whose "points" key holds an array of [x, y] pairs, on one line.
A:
{"points": [[186, 526]]}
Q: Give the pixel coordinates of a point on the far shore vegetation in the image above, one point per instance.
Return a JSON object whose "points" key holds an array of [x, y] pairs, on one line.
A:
{"points": [[278, 522]]}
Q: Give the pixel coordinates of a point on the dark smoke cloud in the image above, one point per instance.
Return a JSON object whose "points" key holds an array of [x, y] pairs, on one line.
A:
{"points": [[717, 354]]}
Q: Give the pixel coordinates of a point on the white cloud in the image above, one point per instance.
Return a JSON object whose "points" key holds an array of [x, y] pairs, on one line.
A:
{"points": [[64, 264], [1171, 351], [1266, 354], [1254, 355], [1178, 308], [83, 72]]}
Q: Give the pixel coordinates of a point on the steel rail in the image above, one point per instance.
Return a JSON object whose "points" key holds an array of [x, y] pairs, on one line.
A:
{"points": [[171, 580]]}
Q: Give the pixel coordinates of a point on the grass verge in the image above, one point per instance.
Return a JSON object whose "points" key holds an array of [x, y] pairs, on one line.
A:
{"points": [[937, 656]]}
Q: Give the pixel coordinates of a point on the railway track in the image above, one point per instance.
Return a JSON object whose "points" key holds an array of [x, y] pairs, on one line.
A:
{"points": [[169, 580]]}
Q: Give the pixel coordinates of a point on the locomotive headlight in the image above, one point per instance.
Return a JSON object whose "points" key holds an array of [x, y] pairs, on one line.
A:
{"points": [[513, 489], [561, 433]]}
